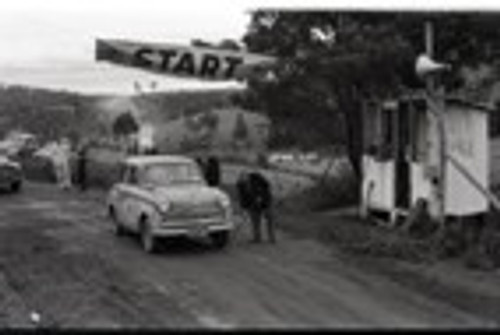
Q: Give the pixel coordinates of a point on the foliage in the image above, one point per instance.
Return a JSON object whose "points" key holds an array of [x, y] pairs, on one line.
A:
{"points": [[330, 62], [174, 105], [125, 124], [45, 113]]}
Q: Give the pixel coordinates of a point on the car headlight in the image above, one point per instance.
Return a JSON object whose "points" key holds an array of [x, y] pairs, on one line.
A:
{"points": [[164, 206], [225, 202]]}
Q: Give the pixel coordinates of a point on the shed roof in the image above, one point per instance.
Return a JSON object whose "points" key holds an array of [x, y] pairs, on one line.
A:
{"points": [[451, 99], [157, 159]]}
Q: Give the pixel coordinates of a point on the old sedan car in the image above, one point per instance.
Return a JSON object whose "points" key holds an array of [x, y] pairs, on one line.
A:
{"points": [[11, 174], [167, 196]]}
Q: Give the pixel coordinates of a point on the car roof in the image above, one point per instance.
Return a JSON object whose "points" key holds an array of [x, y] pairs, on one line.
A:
{"points": [[156, 159], [6, 160]]}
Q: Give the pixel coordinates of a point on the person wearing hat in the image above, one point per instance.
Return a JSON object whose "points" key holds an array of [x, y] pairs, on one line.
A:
{"points": [[260, 201]]}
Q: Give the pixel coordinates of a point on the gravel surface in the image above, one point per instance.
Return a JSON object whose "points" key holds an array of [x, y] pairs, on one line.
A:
{"points": [[59, 260]]}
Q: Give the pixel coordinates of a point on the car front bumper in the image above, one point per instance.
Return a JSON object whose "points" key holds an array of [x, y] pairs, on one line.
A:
{"points": [[192, 228], [7, 182]]}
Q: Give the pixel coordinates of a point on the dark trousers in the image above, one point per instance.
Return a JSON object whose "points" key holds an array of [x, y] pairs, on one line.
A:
{"points": [[257, 217], [82, 176]]}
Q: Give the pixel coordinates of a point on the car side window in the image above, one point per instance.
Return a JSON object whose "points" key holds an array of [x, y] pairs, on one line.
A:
{"points": [[122, 173], [131, 175]]}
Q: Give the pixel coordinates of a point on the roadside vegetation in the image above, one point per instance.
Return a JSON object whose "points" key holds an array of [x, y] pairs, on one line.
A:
{"points": [[329, 66]]}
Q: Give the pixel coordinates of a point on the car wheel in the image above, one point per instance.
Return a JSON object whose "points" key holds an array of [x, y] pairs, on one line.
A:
{"points": [[16, 186], [118, 227], [220, 239], [148, 240]]}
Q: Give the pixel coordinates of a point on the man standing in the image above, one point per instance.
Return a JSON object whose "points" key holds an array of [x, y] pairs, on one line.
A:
{"points": [[212, 171], [243, 195], [82, 166], [60, 155], [260, 206]]}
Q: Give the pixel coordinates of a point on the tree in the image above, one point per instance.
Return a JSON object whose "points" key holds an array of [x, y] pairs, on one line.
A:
{"points": [[210, 120], [319, 79], [330, 62], [125, 124]]}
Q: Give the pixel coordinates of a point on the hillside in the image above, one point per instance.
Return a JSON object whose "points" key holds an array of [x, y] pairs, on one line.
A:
{"points": [[215, 129], [183, 120], [162, 107], [187, 121], [42, 112]]}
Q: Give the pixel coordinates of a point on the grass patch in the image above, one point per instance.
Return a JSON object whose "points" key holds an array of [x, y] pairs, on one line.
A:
{"points": [[326, 195], [100, 174], [354, 235]]}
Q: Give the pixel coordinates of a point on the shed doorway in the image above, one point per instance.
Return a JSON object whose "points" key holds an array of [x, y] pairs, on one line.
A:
{"points": [[402, 173]]}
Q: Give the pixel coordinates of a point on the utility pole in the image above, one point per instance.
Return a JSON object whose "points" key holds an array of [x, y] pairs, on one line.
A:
{"points": [[439, 179]]}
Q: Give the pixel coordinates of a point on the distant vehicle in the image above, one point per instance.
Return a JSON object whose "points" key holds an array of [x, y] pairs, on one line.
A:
{"points": [[7, 149], [278, 157], [25, 140], [167, 196], [17, 143], [11, 175]]}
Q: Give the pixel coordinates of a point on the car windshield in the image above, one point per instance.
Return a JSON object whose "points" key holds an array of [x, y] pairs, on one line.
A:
{"points": [[171, 173]]}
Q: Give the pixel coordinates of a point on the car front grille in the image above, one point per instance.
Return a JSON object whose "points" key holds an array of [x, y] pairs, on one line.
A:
{"points": [[194, 211]]}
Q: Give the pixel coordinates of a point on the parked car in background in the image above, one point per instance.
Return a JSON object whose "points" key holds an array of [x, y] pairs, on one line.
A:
{"points": [[18, 144], [167, 196], [11, 175]]}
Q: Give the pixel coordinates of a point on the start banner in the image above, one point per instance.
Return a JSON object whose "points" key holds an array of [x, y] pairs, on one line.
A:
{"points": [[184, 61]]}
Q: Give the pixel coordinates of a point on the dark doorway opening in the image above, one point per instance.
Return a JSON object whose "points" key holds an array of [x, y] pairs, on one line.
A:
{"points": [[402, 176]]}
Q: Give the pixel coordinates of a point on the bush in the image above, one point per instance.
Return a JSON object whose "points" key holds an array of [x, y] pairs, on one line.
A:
{"points": [[100, 174], [328, 194], [38, 169]]}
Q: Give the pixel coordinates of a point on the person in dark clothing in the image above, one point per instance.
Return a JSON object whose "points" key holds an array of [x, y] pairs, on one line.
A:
{"points": [[243, 195], [202, 165], [260, 206], [82, 167], [212, 171]]}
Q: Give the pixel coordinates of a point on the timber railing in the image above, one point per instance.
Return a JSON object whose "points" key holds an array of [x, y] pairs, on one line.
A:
{"points": [[494, 201]]}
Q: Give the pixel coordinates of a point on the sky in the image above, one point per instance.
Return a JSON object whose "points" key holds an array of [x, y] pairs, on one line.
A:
{"points": [[50, 43]]}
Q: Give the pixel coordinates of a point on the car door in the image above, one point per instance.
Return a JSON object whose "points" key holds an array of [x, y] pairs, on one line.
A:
{"points": [[129, 200], [117, 195]]}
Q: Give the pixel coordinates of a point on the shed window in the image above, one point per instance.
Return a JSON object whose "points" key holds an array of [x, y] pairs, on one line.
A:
{"points": [[418, 130], [379, 131], [371, 132], [387, 133]]}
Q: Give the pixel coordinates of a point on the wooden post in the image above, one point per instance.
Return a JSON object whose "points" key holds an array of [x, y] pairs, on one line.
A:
{"points": [[438, 100], [492, 199]]}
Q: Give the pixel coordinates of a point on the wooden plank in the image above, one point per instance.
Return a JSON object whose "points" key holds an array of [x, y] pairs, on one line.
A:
{"points": [[494, 201]]}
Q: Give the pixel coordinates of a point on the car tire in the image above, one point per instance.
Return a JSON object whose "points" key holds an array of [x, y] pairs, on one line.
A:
{"points": [[149, 242], [16, 186], [220, 240], [119, 230]]}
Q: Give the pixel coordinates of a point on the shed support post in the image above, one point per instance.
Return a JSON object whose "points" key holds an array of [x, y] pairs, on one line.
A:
{"points": [[437, 109]]}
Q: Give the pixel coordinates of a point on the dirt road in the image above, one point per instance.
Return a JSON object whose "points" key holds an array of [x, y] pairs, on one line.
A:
{"points": [[60, 259]]}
